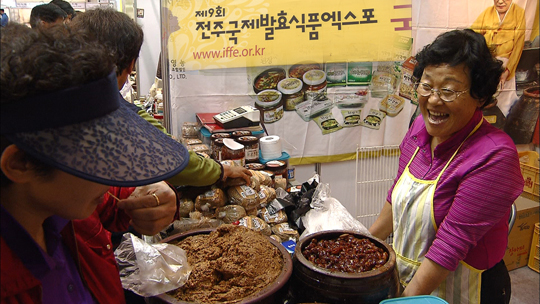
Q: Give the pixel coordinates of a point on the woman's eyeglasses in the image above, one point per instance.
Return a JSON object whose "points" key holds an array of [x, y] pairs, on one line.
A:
{"points": [[446, 95]]}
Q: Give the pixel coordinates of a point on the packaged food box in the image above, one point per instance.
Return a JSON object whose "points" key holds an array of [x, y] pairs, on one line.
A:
{"points": [[406, 87], [391, 105], [350, 97], [310, 109], [382, 84], [336, 74], [359, 73]]}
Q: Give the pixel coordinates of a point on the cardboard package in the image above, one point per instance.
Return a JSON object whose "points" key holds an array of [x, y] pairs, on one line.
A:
{"points": [[519, 240]]}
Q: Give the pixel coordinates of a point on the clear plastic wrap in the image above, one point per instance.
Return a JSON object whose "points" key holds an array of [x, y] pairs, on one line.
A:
{"points": [[151, 269], [328, 213]]}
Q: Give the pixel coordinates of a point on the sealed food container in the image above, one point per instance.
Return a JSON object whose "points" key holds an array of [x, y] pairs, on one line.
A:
{"points": [[200, 148], [268, 79], [251, 146], [270, 105], [234, 151], [415, 300], [220, 135], [350, 97], [310, 109], [315, 81], [240, 133], [359, 73], [217, 145], [382, 84], [406, 86], [298, 70], [336, 74], [392, 105], [255, 166], [292, 94], [190, 129], [277, 167]]}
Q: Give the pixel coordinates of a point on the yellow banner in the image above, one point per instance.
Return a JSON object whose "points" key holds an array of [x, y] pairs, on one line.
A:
{"points": [[216, 34]]}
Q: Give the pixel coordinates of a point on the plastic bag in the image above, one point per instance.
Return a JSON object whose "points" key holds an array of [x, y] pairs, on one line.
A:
{"points": [[328, 213], [151, 269]]}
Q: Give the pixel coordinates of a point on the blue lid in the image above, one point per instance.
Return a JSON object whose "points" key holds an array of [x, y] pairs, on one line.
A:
{"points": [[415, 300], [284, 156], [207, 133]]}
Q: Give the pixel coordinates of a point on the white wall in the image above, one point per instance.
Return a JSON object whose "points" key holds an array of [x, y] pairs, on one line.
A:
{"points": [[149, 55]]}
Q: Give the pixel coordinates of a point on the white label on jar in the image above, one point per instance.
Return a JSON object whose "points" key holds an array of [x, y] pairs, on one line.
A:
{"points": [[273, 115], [252, 154]]}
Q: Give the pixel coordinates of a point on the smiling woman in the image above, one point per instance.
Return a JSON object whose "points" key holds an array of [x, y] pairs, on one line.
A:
{"points": [[450, 224], [445, 113]]}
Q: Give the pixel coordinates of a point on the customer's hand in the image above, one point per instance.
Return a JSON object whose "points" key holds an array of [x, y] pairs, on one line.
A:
{"points": [[236, 172], [151, 207]]}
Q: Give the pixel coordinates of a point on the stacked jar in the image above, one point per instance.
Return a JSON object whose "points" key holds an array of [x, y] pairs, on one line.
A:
{"points": [[234, 151], [251, 146], [240, 133], [292, 94], [270, 105], [315, 84], [216, 144]]}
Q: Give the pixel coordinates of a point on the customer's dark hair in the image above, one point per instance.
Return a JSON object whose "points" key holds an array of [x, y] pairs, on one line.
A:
{"points": [[65, 6], [39, 61], [45, 12], [115, 30], [468, 47], [45, 60]]}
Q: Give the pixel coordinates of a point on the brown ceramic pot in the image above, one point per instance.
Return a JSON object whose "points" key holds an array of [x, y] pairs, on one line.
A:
{"points": [[310, 283]]}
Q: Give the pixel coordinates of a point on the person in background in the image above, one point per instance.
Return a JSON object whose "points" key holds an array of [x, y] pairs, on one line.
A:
{"points": [[4, 19], [46, 15], [448, 215], [124, 37], [503, 27], [57, 170], [66, 7]]}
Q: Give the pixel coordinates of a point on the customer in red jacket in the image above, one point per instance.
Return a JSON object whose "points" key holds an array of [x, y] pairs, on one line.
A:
{"points": [[66, 138]]}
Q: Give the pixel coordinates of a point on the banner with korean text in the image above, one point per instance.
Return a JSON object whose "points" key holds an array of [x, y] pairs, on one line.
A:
{"points": [[325, 75]]}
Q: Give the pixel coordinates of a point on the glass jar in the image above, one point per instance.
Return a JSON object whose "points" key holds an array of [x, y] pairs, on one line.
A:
{"points": [[315, 84], [270, 105], [234, 151], [251, 146], [277, 167], [217, 145], [240, 133], [255, 166], [291, 90]]}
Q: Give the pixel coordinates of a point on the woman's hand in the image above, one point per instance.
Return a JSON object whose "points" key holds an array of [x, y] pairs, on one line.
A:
{"points": [[151, 208], [236, 172], [428, 277]]}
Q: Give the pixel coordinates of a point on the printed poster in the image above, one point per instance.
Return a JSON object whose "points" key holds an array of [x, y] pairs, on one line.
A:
{"points": [[325, 76]]}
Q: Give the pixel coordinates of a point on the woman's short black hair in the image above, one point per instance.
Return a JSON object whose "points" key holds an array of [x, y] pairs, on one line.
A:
{"points": [[468, 47]]}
